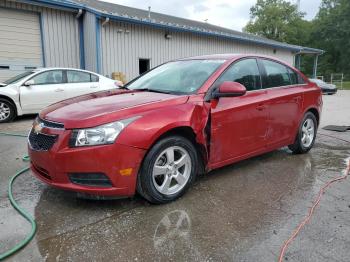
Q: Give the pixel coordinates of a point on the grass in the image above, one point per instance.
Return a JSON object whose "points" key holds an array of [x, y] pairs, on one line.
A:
{"points": [[346, 85]]}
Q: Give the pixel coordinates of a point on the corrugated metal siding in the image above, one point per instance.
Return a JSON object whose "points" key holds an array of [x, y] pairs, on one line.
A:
{"points": [[60, 34], [90, 41], [123, 44]]}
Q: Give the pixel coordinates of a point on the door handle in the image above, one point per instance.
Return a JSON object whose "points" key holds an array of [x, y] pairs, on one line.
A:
{"points": [[261, 107], [59, 90], [93, 86]]}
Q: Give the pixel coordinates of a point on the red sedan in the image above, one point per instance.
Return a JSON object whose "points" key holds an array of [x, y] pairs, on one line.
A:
{"points": [[178, 120]]}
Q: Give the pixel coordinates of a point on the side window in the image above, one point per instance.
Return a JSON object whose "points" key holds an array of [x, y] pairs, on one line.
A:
{"points": [[49, 77], [293, 77], [94, 78], [78, 77], [245, 72], [277, 74]]}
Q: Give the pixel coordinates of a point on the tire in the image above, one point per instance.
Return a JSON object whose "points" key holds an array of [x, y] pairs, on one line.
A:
{"points": [[306, 135], [162, 180], [7, 111]]}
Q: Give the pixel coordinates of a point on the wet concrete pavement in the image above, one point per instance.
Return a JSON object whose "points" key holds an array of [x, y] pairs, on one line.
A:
{"points": [[243, 212]]}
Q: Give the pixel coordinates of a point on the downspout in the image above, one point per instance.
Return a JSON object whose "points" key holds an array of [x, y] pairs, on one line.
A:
{"points": [[315, 66], [80, 18], [98, 45], [106, 21]]}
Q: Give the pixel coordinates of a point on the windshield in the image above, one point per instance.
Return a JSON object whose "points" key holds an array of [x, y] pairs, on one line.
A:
{"points": [[17, 78], [178, 77]]}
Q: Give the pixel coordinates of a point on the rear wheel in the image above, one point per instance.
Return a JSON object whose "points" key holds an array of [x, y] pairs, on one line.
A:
{"points": [[168, 170], [306, 134], [7, 111]]}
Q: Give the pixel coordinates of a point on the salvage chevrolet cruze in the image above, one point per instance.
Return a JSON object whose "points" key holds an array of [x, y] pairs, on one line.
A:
{"points": [[181, 119]]}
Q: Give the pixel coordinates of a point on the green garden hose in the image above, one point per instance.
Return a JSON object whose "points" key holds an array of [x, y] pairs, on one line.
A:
{"points": [[20, 210]]}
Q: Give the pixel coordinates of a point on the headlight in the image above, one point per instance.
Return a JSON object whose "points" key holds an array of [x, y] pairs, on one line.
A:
{"points": [[100, 135]]}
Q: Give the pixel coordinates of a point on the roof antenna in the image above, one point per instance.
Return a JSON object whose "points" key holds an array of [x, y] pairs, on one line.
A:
{"points": [[149, 13]]}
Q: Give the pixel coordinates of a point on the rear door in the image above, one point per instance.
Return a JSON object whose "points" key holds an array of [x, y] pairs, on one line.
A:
{"points": [[81, 83], [48, 88], [285, 101], [239, 124]]}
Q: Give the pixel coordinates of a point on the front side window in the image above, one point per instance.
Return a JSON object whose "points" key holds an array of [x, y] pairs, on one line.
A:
{"points": [[49, 77], [277, 74], [178, 77], [78, 77], [245, 72]]}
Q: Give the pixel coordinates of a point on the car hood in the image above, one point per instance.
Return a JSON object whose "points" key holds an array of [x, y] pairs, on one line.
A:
{"points": [[104, 107]]}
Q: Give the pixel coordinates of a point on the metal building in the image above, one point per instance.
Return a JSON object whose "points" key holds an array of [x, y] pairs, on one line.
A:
{"points": [[106, 38]]}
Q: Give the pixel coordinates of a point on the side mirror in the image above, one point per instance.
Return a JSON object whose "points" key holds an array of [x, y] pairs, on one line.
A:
{"points": [[29, 82], [230, 89]]}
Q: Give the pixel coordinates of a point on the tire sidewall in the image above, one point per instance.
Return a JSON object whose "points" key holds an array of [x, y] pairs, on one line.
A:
{"points": [[145, 176], [12, 111]]}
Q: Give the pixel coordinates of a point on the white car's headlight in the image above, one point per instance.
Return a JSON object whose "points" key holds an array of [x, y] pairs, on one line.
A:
{"points": [[100, 135]]}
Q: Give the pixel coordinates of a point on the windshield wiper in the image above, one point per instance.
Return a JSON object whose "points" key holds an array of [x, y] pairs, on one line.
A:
{"points": [[154, 90]]}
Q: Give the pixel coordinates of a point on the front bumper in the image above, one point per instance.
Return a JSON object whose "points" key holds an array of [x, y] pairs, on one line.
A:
{"points": [[120, 163]]}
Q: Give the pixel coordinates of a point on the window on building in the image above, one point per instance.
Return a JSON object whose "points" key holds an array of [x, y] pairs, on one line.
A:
{"points": [[245, 72], [277, 74], [78, 77], [143, 65], [49, 77]]}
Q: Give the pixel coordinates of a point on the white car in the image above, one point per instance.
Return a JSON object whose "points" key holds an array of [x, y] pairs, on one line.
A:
{"points": [[31, 91]]}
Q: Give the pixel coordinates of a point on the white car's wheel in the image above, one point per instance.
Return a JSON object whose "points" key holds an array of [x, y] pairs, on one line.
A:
{"points": [[7, 111]]}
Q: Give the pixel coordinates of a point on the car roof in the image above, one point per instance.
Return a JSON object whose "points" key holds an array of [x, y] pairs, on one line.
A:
{"points": [[42, 69], [229, 57]]}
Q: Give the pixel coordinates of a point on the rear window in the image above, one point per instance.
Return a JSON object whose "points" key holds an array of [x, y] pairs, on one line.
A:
{"points": [[94, 78], [293, 77], [277, 74], [78, 77]]}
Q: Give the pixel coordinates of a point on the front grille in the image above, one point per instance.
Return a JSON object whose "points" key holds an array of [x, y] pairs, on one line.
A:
{"points": [[90, 179], [41, 142], [50, 124]]}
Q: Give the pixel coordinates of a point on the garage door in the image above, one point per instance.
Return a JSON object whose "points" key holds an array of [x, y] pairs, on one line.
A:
{"points": [[20, 42]]}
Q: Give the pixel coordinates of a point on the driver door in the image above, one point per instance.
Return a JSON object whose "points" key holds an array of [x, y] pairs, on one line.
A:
{"points": [[239, 124], [48, 88]]}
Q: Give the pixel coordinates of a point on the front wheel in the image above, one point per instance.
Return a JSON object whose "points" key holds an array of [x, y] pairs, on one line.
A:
{"points": [[168, 170], [306, 134], [7, 111]]}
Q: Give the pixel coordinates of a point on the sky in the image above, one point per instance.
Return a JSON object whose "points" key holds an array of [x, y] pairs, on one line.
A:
{"points": [[233, 14]]}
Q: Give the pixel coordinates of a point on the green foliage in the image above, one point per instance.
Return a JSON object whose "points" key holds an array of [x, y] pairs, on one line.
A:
{"points": [[278, 20], [330, 30], [332, 34]]}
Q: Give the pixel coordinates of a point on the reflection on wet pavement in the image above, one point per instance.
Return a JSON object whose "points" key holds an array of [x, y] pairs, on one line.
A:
{"points": [[241, 212]]}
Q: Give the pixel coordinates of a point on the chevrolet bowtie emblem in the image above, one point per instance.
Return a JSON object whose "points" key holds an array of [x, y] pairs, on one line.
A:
{"points": [[38, 128]]}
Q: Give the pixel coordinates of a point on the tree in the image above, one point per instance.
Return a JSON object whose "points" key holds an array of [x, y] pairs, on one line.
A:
{"points": [[278, 20], [331, 33]]}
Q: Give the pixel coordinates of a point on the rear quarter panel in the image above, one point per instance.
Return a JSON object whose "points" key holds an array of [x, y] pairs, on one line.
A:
{"points": [[312, 99]]}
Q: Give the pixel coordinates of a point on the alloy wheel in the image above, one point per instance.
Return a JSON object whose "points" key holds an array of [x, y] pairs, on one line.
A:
{"points": [[308, 132], [5, 111], [172, 170]]}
